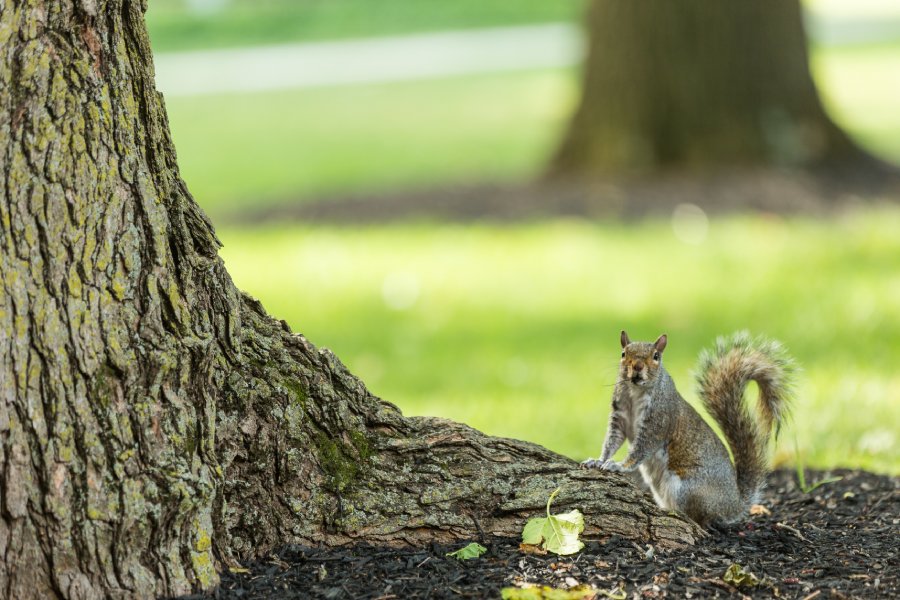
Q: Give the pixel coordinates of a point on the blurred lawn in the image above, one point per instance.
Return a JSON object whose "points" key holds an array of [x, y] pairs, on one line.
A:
{"points": [[190, 24], [269, 148], [514, 329], [860, 86], [254, 150]]}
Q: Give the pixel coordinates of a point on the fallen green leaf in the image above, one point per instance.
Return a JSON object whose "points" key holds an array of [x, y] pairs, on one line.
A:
{"points": [[579, 592], [532, 533], [473, 550], [561, 533], [738, 577], [555, 533]]}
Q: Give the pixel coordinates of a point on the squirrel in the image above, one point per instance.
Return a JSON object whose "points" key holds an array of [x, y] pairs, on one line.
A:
{"points": [[680, 457]]}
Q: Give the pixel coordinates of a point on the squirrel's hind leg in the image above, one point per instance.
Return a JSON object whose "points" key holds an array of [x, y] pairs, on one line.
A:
{"points": [[707, 502], [663, 483]]}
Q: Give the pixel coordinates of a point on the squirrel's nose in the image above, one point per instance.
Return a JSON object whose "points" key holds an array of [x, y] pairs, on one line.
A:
{"points": [[638, 367]]}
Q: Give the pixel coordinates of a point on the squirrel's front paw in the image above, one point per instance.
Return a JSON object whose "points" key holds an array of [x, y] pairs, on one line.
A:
{"points": [[612, 465], [592, 463]]}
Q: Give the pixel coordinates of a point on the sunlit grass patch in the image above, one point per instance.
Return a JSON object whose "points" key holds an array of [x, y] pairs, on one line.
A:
{"points": [[515, 329], [860, 87]]}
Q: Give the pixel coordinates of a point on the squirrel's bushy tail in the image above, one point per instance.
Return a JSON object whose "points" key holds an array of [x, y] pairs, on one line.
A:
{"points": [[722, 376]]}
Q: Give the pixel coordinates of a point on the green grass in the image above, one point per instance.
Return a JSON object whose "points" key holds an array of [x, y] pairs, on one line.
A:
{"points": [[252, 22], [860, 86], [270, 148], [256, 149], [514, 330]]}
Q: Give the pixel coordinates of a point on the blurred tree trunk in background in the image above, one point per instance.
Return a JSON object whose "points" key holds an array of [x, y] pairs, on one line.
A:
{"points": [[695, 84], [155, 424]]}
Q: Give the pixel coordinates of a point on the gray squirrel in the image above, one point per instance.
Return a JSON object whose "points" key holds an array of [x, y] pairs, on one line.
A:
{"points": [[680, 457]]}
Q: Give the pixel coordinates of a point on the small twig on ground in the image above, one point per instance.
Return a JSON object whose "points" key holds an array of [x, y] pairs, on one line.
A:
{"points": [[877, 502], [793, 530], [715, 582], [648, 553], [480, 530]]}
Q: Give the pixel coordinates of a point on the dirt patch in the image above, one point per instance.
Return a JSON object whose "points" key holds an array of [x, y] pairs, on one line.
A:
{"points": [[766, 190], [839, 541]]}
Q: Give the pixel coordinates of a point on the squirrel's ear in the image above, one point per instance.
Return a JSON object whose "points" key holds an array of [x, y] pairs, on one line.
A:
{"points": [[624, 339], [660, 343]]}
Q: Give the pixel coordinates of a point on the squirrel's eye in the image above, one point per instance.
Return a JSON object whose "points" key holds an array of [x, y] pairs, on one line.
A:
{"points": [[656, 356], [623, 354]]}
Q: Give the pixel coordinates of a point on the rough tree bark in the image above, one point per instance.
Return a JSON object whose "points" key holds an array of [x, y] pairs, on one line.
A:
{"points": [[696, 84], [155, 423]]}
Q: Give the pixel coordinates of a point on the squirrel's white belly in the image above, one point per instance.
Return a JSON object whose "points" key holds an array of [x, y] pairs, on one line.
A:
{"points": [[638, 400], [664, 484]]}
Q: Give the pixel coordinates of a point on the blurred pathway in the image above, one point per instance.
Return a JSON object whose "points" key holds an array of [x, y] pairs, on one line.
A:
{"points": [[421, 56], [376, 60]]}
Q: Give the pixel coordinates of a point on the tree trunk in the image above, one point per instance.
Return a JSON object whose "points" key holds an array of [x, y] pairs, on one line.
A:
{"points": [[695, 84], [155, 423]]}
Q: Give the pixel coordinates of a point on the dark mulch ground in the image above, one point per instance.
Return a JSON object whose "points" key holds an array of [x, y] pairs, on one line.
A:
{"points": [[840, 541]]}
